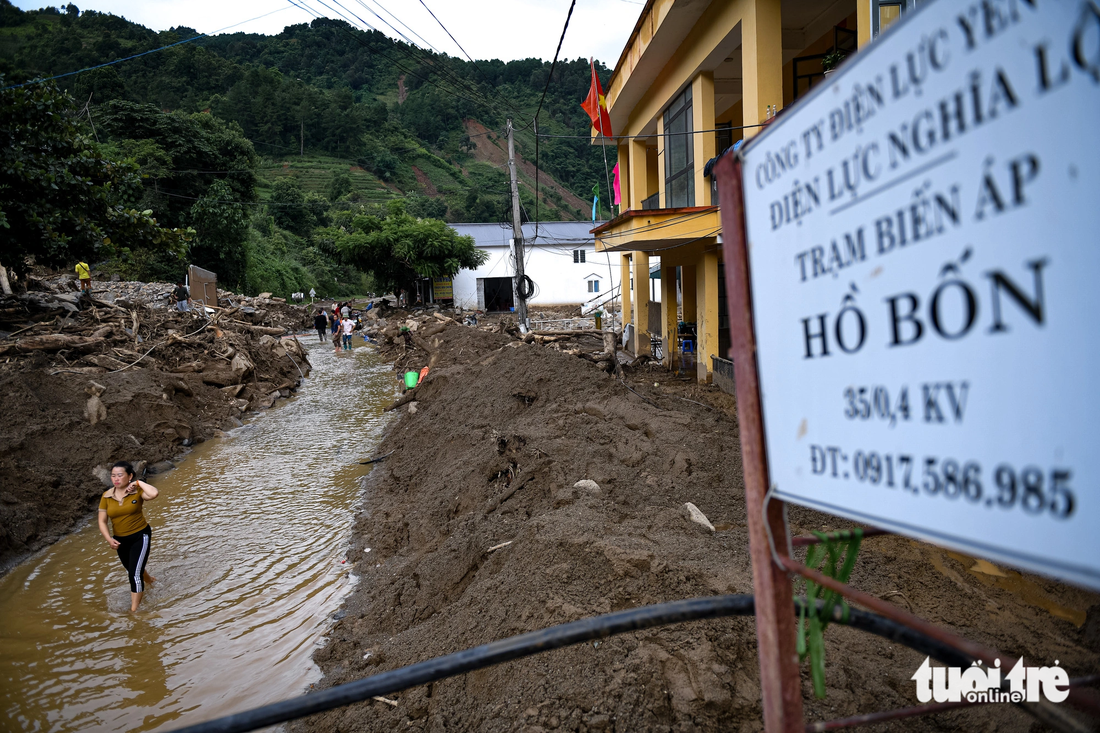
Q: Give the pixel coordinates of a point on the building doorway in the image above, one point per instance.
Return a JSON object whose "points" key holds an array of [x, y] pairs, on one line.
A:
{"points": [[495, 294]]}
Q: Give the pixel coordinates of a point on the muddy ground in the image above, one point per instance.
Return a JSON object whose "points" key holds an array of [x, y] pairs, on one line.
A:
{"points": [[86, 381], [490, 452]]}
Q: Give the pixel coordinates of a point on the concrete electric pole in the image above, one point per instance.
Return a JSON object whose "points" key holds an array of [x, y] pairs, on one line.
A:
{"points": [[519, 284]]}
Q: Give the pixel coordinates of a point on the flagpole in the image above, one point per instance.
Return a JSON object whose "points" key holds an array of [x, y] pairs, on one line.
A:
{"points": [[610, 193], [599, 116]]}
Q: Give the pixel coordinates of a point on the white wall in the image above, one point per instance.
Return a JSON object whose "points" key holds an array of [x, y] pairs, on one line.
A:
{"points": [[549, 262], [558, 280]]}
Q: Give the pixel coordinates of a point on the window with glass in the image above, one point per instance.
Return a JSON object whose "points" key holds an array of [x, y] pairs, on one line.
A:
{"points": [[679, 153], [578, 256], [884, 13]]}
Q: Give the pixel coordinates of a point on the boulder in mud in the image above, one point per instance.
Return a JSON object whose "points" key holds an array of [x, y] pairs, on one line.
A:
{"points": [[241, 365], [697, 516], [265, 401], [160, 467], [220, 376]]}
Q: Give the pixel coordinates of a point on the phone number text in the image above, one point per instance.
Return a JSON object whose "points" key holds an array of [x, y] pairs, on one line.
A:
{"points": [[1031, 489]]}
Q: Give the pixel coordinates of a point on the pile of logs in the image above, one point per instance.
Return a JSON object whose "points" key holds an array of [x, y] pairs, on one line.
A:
{"points": [[84, 334]]}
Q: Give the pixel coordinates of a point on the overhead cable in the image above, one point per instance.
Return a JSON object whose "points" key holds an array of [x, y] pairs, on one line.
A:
{"points": [[535, 119], [445, 72], [137, 55], [437, 20], [663, 134], [305, 5]]}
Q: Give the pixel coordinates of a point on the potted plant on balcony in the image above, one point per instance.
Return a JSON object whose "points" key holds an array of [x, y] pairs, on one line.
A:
{"points": [[831, 61]]}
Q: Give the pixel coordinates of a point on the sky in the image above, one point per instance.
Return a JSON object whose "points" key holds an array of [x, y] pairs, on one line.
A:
{"points": [[487, 29]]}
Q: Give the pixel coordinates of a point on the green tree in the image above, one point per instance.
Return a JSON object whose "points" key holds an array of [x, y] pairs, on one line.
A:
{"points": [[423, 207], [222, 228], [340, 186], [181, 154], [288, 207], [100, 85], [61, 198], [400, 249]]}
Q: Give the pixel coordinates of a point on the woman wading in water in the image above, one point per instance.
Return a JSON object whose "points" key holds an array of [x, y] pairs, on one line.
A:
{"points": [[122, 504]]}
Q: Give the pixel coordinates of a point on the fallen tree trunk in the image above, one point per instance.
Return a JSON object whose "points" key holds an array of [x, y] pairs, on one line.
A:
{"points": [[262, 330], [51, 342], [402, 400]]}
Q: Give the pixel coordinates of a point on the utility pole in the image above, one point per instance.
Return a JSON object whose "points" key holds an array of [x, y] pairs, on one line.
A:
{"points": [[518, 284]]}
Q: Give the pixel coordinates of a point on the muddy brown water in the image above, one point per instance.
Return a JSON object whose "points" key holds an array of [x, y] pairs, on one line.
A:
{"points": [[248, 537]]}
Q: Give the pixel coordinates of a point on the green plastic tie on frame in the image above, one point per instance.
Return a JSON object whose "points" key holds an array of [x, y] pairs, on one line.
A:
{"points": [[838, 551]]}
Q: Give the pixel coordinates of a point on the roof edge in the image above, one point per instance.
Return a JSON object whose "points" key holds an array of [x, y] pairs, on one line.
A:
{"points": [[629, 41]]}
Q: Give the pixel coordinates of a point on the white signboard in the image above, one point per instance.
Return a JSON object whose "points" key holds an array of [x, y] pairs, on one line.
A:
{"points": [[924, 248]]}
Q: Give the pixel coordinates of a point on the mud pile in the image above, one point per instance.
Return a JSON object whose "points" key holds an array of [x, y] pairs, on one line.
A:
{"points": [[528, 487], [85, 381]]}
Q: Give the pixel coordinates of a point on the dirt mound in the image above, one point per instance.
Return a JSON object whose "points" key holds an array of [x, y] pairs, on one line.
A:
{"points": [[491, 452], [88, 381]]}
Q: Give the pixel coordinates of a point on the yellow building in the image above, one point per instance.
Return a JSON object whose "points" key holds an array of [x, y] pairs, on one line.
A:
{"points": [[695, 77]]}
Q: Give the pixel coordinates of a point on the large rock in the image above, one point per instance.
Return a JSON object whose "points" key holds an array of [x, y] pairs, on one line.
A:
{"points": [[161, 467], [220, 376]]}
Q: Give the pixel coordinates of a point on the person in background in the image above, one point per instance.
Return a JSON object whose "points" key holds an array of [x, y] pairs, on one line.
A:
{"points": [[335, 324], [320, 322], [85, 274], [349, 326], [122, 504], [183, 298], [345, 311]]}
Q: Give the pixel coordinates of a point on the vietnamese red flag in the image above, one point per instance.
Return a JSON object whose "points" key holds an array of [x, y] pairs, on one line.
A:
{"points": [[596, 106]]}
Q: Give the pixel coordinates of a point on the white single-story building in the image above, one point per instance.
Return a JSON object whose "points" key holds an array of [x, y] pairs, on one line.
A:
{"points": [[560, 260]]}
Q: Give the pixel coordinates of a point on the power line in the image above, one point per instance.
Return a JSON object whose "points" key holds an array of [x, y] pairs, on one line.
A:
{"points": [[460, 48], [410, 30], [303, 4], [478, 68], [138, 55], [443, 70], [666, 134], [555, 61], [672, 221], [535, 120]]}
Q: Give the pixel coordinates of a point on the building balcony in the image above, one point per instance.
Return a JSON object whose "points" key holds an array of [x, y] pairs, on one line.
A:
{"points": [[659, 230]]}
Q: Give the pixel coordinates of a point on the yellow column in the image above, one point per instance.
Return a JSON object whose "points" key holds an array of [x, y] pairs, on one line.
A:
{"points": [[662, 199], [863, 22], [762, 60], [702, 118], [624, 177], [706, 317], [637, 173], [641, 304], [668, 313], [624, 288], [653, 184], [687, 278]]}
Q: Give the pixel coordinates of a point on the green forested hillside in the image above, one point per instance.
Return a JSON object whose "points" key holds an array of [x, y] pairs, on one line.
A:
{"points": [[324, 120], [356, 95]]}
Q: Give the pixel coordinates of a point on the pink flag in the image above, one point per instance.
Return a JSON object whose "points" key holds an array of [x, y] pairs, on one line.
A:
{"points": [[615, 184]]}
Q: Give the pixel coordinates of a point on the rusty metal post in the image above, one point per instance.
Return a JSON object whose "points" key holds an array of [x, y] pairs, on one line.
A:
{"points": [[780, 683]]}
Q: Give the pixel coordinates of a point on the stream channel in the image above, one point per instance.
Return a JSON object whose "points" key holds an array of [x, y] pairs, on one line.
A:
{"points": [[248, 537]]}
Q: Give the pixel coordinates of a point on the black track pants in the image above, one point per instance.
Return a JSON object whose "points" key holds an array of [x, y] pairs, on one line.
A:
{"points": [[134, 553]]}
